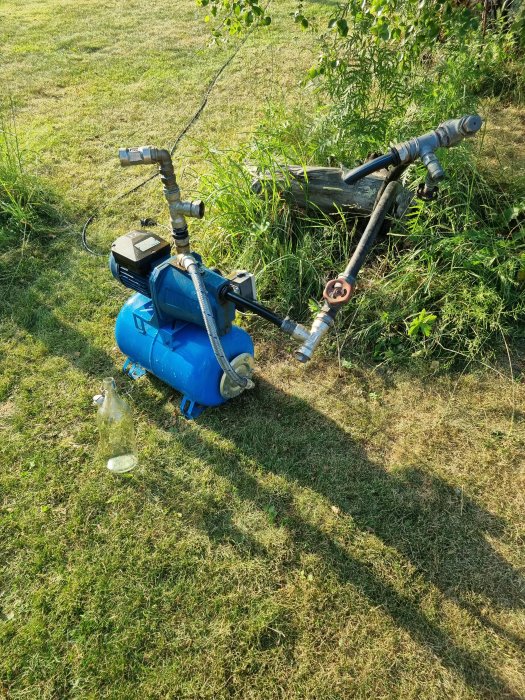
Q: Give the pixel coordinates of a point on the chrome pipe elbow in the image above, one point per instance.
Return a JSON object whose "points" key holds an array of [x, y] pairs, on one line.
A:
{"points": [[321, 325]]}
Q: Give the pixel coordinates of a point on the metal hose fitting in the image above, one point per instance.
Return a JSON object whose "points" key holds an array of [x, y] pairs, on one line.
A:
{"points": [[448, 134], [321, 325], [295, 330]]}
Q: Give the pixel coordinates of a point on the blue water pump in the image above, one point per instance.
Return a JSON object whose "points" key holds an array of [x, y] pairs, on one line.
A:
{"points": [[179, 323]]}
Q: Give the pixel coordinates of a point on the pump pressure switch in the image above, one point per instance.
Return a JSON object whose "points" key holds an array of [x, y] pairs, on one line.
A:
{"points": [[242, 283]]}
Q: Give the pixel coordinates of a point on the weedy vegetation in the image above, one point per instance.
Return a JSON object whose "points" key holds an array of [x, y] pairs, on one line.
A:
{"points": [[388, 71], [27, 207]]}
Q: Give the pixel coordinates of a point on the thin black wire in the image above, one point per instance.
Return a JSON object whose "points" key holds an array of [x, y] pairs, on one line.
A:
{"points": [[179, 138]]}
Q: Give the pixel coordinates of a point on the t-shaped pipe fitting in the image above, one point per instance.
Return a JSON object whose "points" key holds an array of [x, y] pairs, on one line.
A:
{"points": [[147, 155], [447, 134]]}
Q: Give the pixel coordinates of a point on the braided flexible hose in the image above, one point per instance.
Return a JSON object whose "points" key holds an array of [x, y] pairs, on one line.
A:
{"points": [[190, 264]]}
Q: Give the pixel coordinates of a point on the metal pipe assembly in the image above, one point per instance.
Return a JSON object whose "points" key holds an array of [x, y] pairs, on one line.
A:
{"points": [[179, 210], [338, 292], [448, 134], [179, 323]]}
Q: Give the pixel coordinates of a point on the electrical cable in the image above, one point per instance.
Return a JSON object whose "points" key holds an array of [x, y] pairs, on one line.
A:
{"points": [[179, 138]]}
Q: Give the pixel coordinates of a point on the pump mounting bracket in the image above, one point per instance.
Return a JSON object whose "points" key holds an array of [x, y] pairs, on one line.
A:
{"points": [[133, 369]]}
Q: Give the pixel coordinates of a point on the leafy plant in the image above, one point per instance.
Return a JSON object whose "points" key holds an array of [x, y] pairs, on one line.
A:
{"points": [[490, 33], [234, 15], [421, 324], [271, 512]]}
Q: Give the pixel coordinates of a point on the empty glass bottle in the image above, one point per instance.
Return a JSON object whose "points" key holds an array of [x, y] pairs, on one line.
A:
{"points": [[117, 436]]}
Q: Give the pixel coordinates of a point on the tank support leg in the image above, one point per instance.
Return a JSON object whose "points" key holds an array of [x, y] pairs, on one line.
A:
{"points": [[134, 370], [190, 409]]}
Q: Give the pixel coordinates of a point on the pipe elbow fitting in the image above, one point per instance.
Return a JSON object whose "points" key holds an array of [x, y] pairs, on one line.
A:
{"points": [[162, 155], [320, 327], [147, 155]]}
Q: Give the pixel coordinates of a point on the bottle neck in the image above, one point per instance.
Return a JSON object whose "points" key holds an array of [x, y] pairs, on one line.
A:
{"points": [[110, 388]]}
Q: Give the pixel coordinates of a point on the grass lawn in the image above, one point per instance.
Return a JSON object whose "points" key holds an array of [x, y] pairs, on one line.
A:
{"points": [[335, 533]]}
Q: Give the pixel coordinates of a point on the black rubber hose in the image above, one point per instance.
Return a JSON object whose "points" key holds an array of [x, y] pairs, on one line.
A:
{"points": [[250, 305], [374, 225], [392, 175], [371, 167]]}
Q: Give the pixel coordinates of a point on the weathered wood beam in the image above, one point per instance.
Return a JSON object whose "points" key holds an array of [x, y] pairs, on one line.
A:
{"points": [[323, 189]]}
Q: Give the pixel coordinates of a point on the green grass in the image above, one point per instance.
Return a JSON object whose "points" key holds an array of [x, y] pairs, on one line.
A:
{"points": [[336, 533]]}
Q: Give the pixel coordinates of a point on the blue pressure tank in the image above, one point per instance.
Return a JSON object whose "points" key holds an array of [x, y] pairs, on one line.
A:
{"points": [[161, 329], [179, 354]]}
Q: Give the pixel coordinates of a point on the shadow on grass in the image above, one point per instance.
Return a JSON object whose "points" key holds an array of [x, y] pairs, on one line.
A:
{"points": [[31, 289], [416, 513], [421, 516]]}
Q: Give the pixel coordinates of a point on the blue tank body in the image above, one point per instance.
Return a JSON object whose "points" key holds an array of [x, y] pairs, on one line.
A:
{"points": [[179, 353]]}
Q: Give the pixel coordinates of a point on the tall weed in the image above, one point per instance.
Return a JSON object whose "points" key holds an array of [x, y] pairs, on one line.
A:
{"points": [[27, 207]]}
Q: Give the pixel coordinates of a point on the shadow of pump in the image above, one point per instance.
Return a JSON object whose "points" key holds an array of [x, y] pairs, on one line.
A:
{"points": [[414, 512], [443, 535]]}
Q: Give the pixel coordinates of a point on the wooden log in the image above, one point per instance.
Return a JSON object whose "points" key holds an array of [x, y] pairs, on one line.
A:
{"points": [[323, 189]]}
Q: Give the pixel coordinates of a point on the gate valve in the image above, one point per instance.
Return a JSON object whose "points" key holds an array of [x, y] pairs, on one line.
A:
{"points": [[338, 292]]}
